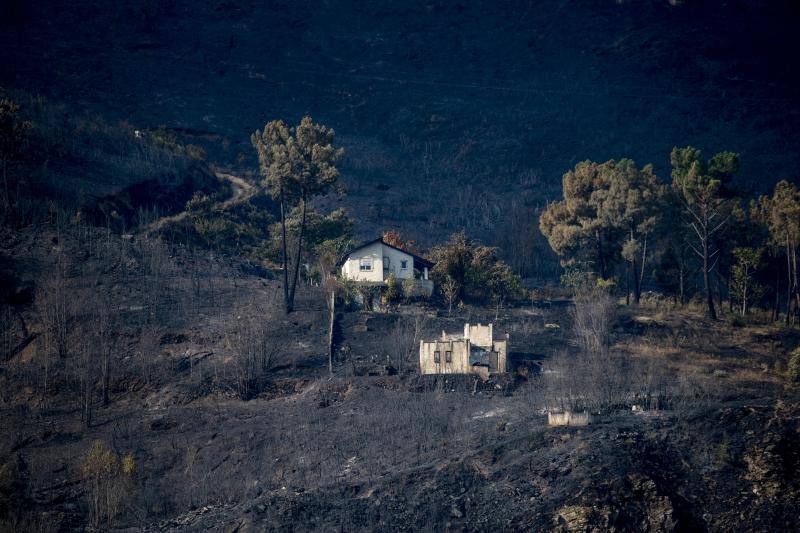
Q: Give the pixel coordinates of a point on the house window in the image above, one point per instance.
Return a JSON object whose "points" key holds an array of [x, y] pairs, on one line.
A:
{"points": [[386, 263], [365, 265], [448, 356], [404, 264], [437, 358]]}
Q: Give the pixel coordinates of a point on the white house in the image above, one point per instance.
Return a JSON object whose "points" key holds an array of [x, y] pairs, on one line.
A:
{"points": [[373, 261]]}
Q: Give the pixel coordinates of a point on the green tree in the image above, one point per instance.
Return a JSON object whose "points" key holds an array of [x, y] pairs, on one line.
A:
{"points": [[452, 261], [503, 285], [575, 227], [296, 164], [450, 289], [608, 210], [108, 479], [744, 288], [470, 269], [701, 187], [780, 213], [631, 203]]}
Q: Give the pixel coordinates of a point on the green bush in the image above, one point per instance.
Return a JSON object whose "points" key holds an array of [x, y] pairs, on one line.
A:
{"points": [[393, 290]]}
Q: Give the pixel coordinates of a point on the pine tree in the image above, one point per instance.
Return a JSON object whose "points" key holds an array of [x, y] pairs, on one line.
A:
{"points": [[700, 185], [296, 164], [780, 213]]}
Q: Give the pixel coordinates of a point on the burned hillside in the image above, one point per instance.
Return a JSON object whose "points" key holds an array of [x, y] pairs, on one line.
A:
{"points": [[270, 266]]}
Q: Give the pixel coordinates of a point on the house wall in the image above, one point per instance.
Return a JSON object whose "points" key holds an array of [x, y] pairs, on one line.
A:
{"points": [[460, 360], [479, 335], [376, 252], [501, 347]]}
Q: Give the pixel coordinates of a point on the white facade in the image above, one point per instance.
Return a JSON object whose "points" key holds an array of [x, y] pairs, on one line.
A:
{"points": [[476, 352], [375, 261]]}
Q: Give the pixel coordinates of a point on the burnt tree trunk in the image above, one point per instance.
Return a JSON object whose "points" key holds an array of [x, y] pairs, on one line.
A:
{"points": [[284, 258], [331, 319]]}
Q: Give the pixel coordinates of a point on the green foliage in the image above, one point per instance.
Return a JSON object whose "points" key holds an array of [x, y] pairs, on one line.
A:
{"points": [[475, 269], [327, 235], [241, 228], [701, 187], [296, 165], [602, 202], [575, 278], [108, 478], [702, 182], [168, 139], [393, 290], [407, 287], [780, 215], [744, 289], [503, 285], [347, 291]]}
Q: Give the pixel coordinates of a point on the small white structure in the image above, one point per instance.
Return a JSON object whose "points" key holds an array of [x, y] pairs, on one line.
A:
{"points": [[374, 261], [568, 418]]}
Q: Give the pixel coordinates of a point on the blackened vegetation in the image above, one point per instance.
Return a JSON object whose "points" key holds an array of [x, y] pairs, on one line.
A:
{"points": [[156, 375], [225, 406]]}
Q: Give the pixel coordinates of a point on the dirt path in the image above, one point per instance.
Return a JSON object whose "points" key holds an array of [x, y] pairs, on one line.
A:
{"points": [[241, 192]]}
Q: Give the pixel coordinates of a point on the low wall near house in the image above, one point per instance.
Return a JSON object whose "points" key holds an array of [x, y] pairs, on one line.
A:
{"points": [[568, 418]]}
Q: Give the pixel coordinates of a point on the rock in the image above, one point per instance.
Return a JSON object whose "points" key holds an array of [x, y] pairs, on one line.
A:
{"points": [[573, 518]]}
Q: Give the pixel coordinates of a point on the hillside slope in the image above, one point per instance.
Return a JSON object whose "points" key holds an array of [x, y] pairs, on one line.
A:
{"points": [[470, 103]]}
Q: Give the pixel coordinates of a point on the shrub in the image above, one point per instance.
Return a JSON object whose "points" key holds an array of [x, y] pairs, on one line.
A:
{"points": [[107, 478], [408, 289], [255, 345], [476, 269], [794, 367], [393, 290]]}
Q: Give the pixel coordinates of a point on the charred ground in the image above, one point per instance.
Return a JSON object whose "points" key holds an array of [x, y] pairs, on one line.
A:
{"points": [[219, 445], [223, 406]]}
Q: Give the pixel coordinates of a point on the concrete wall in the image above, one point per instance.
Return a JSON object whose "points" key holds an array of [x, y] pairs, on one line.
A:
{"points": [[569, 418], [460, 357], [479, 335], [501, 347], [378, 255]]}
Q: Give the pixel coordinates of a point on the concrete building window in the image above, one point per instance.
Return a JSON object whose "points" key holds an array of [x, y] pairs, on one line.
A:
{"points": [[437, 358], [404, 264], [365, 265], [448, 356]]}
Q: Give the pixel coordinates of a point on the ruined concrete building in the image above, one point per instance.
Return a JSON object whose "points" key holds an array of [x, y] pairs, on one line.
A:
{"points": [[474, 352]]}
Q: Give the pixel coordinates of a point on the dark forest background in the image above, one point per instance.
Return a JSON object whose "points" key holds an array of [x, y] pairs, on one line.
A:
{"points": [[453, 114]]}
